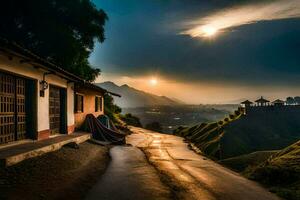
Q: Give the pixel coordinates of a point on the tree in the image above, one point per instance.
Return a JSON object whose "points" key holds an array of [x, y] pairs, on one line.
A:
{"points": [[290, 100], [297, 100], [61, 31], [237, 113], [110, 109], [131, 120], [154, 126]]}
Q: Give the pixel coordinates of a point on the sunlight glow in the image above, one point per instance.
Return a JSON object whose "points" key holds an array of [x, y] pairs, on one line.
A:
{"points": [[153, 81], [203, 31], [209, 31], [227, 19]]}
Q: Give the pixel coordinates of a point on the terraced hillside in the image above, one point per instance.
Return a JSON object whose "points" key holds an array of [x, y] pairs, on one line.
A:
{"points": [[243, 162], [281, 172], [261, 129], [208, 136]]}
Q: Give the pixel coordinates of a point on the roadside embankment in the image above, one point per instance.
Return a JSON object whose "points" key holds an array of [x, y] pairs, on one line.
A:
{"points": [[281, 172]]}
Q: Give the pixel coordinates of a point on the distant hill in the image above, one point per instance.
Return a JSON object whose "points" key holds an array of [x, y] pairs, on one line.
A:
{"points": [[132, 97], [263, 129]]}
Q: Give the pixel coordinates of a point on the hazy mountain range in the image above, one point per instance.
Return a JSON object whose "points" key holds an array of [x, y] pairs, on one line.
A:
{"points": [[132, 97]]}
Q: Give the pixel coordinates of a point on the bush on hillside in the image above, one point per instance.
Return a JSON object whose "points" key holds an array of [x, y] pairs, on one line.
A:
{"points": [[220, 123], [178, 130], [131, 120], [154, 126], [237, 112], [111, 109]]}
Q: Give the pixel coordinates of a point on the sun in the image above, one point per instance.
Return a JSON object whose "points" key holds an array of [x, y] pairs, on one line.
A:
{"points": [[209, 31], [153, 81]]}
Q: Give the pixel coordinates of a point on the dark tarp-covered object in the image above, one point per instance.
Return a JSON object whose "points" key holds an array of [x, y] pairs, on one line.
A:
{"points": [[101, 132]]}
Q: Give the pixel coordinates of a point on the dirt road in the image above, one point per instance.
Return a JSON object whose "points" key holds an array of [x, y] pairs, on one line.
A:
{"points": [[193, 176], [129, 176]]}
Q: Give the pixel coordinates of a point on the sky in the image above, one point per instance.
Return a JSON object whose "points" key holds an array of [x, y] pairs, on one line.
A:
{"points": [[216, 51]]}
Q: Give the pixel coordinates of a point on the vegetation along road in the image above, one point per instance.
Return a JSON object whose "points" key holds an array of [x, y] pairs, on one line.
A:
{"points": [[192, 176]]}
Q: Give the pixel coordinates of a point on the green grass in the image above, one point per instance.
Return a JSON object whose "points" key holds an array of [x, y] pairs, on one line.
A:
{"points": [[240, 163], [207, 136], [281, 172]]}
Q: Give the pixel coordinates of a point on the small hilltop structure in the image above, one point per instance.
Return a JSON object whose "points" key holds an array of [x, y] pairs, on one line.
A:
{"points": [[256, 126], [263, 105]]}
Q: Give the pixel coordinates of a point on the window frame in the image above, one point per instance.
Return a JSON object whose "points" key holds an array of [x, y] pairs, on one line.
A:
{"points": [[98, 104], [76, 103]]}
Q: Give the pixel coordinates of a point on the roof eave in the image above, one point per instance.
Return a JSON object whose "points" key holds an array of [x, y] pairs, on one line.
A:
{"points": [[14, 49]]}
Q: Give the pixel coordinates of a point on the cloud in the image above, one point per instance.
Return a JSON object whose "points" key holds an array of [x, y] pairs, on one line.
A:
{"points": [[241, 15]]}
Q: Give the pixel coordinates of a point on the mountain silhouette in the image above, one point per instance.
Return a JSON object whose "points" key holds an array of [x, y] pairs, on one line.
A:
{"points": [[132, 97]]}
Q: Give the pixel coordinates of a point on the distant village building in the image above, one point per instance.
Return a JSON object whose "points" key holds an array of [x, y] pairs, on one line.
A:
{"points": [[278, 102], [247, 103], [39, 99], [262, 102], [263, 106]]}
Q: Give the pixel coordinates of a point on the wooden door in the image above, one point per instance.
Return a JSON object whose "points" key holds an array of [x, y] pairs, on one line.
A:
{"points": [[7, 108], [12, 108], [54, 110], [20, 108]]}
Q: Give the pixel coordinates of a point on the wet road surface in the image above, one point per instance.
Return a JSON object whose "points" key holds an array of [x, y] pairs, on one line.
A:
{"points": [[193, 176], [129, 176]]}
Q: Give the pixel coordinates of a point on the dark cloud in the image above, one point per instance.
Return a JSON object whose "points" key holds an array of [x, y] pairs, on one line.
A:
{"points": [[142, 36]]}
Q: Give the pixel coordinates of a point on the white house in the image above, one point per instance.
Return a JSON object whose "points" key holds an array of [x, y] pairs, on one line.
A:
{"points": [[36, 97]]}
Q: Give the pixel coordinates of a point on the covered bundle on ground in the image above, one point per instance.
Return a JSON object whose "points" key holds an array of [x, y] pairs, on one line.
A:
{"points": [[104, 119], [101, 132]]}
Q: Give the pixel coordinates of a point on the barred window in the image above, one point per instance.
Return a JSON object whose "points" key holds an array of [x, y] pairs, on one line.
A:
{"points": [[98, 103], [78, 103]]}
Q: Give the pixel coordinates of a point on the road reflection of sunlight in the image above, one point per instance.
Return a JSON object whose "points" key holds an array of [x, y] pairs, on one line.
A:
{"points": [[200, 175]]}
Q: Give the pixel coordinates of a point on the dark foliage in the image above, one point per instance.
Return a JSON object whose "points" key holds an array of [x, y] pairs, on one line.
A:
{"points": [[237, 112], [297, 100], [290, 100], [62, 31], [231, 116], [275, 175], [154, 126], [110, 108], [179, 129], [131, 120]]}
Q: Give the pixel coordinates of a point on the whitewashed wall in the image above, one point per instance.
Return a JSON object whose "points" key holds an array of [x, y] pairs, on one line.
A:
{"points": [[26, 70]]}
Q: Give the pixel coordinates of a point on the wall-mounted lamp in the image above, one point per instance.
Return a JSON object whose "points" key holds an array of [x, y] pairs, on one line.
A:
{"points": [[44, 84]]}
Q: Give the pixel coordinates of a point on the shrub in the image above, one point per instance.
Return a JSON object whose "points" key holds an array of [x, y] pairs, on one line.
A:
{"points": [[237, 112], [154, 126], [110, 109], [178, 129], [131, 120]]}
